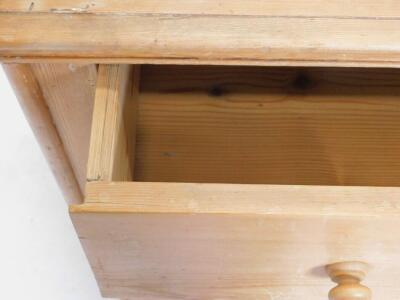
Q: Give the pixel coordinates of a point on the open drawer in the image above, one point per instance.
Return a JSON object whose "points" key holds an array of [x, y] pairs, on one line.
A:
{"points": [[241, 182]]}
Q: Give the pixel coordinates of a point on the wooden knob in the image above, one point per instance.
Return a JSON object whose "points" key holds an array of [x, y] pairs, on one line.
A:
{"points": [[348, 276]]}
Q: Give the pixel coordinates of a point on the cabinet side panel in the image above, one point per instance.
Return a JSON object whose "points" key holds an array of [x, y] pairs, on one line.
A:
{"points": [[31, 99]]}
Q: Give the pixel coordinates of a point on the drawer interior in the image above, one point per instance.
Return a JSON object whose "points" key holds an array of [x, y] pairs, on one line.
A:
{"points": [[268, 125], [265, 125]]}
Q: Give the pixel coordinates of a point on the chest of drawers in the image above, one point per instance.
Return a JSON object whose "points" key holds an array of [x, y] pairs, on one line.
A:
{"points": [[220, 149]]}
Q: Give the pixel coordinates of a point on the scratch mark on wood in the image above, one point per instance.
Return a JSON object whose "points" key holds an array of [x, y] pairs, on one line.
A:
{"points": [[70, 10], [31, 6]]}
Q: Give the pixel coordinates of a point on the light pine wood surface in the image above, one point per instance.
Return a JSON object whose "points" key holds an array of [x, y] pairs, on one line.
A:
{"points": [[192, 198], [202, 32], [218, 182], [57, 100], [310, 8], [318, 126], [33, 103], [68, 90], [113, 136], [225, 256], [171, 240]]}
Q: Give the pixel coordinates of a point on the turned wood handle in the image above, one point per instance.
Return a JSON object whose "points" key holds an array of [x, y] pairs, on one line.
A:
{"points": [[348, 276]]}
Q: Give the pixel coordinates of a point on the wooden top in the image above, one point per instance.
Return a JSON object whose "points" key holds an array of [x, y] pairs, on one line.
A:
{"points": [[252, 32]]}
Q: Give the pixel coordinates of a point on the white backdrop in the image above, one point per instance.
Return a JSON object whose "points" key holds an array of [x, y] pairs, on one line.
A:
{"points": [[40, 255]]}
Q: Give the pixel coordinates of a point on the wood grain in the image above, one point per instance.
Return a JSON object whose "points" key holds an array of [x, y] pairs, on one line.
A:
{"points": [[203, 256], [269, 125], [112, 139], [192, 198], [201, 38], [69, 93], [33, 103], [171, 240], [298, 8]]}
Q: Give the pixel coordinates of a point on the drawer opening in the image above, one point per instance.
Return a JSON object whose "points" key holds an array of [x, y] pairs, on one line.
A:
{"points": [[247, 125]]}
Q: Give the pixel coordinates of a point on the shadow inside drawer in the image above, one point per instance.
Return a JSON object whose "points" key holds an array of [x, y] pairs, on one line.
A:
{"points": [[317, 126]]}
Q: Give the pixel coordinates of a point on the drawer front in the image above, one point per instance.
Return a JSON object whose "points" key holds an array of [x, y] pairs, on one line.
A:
{"points": [[224, 256]]}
